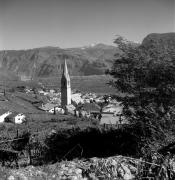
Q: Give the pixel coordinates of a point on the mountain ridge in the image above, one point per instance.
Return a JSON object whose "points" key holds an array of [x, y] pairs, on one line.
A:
{"points": [[47, 61], [82, 61]]}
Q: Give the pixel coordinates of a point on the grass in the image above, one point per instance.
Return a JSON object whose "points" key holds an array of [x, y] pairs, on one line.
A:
{"points": [[37, 120], [96, 83], [43, 124]]}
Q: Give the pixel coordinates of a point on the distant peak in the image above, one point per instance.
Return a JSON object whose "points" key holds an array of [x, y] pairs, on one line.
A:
{"points": [[48, 47], [97, 45], [93, 44]]}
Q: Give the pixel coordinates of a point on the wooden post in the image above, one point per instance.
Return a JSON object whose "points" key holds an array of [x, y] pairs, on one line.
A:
{"points": [[29, 150], [37, 136], [17, 133]]}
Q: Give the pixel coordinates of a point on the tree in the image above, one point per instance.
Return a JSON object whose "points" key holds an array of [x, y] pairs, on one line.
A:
{"points": [[146, 75]]}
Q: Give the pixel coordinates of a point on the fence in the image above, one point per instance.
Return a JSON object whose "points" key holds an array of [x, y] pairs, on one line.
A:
{"points": [[25, 147]]}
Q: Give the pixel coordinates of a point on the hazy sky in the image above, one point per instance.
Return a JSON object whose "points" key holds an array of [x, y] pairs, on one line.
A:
{"points": [[69, 23]]}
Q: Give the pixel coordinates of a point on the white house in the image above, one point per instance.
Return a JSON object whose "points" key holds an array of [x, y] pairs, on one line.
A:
{"points": [[109, 118], [20, 118], [57, 110], [3, 114], [15, 117], [76, 97], [70, 108], [113, 108], [47, 107], [113, 118]]}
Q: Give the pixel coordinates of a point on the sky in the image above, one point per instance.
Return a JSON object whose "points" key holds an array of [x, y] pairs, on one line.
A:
{"points": [[26, 24]]}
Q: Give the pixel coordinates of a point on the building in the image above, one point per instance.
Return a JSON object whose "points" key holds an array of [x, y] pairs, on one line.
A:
{"points": [[76, 97], [15, 117], [113, 108], [65, 87], [51, 108], [56, 110], [88, 109], [3, 114], [47, 107], [109, 118], [91, 108]]}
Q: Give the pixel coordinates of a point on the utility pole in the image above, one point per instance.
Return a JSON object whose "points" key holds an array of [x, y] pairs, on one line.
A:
{"points": [[4, 88]]}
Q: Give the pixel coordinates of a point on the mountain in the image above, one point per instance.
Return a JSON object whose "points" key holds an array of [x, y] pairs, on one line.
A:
{"points": [[164, 40], [82, 61], [161, 46], [47, 61]]}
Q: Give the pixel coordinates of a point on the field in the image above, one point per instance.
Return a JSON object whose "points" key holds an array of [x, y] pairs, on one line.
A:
{"points": [[37, 120], [43, 124], [97, 83]]}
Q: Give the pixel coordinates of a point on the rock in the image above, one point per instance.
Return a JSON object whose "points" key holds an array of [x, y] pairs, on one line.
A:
{"points": [[94, 169], [11, 178]]}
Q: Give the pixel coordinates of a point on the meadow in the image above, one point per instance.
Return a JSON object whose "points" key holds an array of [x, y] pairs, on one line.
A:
{"points": [[96, 83]]}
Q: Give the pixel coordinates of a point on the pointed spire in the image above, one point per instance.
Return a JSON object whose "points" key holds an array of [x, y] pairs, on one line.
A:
{"points": [[65, 87], [65, 70]]}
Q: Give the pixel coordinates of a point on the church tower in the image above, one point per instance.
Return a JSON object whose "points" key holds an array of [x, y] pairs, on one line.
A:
{"points": [[65, 87]]}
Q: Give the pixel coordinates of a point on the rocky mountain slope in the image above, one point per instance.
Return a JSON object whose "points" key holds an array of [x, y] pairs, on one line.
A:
{"points": [[162, 42], [47, 61]]}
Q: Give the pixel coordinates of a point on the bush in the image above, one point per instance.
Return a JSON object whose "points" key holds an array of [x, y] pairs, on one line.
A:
{"points": [[90, 142]]}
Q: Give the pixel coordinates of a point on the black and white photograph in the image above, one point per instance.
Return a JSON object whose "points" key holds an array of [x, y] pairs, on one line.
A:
{"points": [[87, 89]]}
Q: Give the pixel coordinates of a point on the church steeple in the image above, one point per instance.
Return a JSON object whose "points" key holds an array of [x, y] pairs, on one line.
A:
{"points": [[65, 87], [65, 70]]}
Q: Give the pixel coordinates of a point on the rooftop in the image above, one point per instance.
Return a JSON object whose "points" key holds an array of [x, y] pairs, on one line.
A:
{"points": [[91, 107]]}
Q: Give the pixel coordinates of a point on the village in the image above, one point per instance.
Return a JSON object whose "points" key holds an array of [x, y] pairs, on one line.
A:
{"points": [[61, 102]]}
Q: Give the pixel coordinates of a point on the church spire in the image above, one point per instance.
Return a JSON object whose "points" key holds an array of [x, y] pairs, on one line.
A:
{"points": [[65, 70], [65, 87]]}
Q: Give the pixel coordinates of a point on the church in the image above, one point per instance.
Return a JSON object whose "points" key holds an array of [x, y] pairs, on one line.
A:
{"points": [[65, 87]]}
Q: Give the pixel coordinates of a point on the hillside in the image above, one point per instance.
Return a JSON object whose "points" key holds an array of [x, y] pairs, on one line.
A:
{"points": [[82, 61], [164, 43], [47, 61]]}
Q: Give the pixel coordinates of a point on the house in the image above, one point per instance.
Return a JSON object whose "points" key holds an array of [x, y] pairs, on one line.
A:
{"points": [[56, 110], [49, 107], [70, 108], [15, 117], [52, 91], [3, 114], [76, 97], [113, 108], [113, 118], [91, 108], [109, 118]]}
